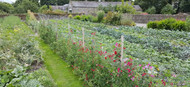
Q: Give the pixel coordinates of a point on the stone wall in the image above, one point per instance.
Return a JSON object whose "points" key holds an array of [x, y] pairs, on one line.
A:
{"points": [[154, 17], [84, 10]]}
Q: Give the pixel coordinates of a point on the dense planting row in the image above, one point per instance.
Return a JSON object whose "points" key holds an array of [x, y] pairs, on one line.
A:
{"points": [[100, 58], [20, 57]]}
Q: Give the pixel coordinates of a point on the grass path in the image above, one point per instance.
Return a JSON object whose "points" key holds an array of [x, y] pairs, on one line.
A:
{"points": [[59, 69]]}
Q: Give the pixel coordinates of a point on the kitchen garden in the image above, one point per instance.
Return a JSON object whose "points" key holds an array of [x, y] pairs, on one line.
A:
{"points": [[151, 57]]}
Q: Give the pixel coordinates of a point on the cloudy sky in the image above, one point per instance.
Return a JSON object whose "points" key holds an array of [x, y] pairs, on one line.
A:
{"points": [[9, 1]]}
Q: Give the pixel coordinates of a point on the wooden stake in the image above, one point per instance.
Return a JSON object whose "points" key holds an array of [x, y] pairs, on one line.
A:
{"points": [[56, 31], [122, 40], [83, 37], [69, 30]]}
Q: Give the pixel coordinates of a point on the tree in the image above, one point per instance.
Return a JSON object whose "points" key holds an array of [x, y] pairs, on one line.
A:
{"points": [[6, 7], [26, 5], [184, 6], [17, 2], [168, 9]]}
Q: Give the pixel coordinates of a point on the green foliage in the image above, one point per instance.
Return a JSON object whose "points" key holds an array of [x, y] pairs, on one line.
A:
{"points": [[44, 8], [169, 24], [151, 10], [113, 18], [9, 23], [54, 12], [53, 2], [168, 9], [6, 7], [100, 16], [107, 8], [2, 12], [184, 6], [95, 67], [127, 20], [77, 17], [158, 4], [188, 23], [126, 8], [152, 24], [179, 25], [26, 5]]}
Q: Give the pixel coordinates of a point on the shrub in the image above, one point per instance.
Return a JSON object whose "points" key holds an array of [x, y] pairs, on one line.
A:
{"points": [[2, 12], [77, 17], [187, 24], [109, 17], [168, 9], [169, 24], [151, 10], [152, 24], [86, 18], [44, 8], [126, 8], [113, 18], [166, 24], [55, 12], [127, 20], [179, 25], [100, 15], [70, 16], [94, 19]]}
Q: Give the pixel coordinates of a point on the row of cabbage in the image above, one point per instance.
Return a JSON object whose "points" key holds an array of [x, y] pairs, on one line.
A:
{"points": [[161, 52], [99, 61], [20, 56]]}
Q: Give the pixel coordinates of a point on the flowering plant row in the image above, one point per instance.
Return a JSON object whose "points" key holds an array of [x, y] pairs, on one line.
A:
{"points": [[98, 63]]}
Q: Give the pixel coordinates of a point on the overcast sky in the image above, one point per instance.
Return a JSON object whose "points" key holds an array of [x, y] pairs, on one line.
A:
{"points": [[9, 1]]}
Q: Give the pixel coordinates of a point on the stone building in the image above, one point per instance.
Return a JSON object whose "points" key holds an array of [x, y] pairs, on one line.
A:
{"points": [[89, 7]]}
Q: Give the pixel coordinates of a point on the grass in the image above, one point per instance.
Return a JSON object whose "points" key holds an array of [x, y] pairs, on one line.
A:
{"points": [[59, 70], [57, 67]]}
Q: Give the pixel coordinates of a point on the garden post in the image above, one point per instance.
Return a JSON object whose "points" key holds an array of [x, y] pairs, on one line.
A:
{"points": [[83, 37], [122, 40]]}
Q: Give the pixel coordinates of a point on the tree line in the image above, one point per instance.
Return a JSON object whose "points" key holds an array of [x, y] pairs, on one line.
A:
{"points": [[153, 6]]}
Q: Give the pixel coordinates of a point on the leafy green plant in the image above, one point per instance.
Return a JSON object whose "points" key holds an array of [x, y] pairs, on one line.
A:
{"points": [[187, 24], [152, 24], [100, 16], [44, 8], [126, 8], [179, 25], [127, 20], [78, 17]]}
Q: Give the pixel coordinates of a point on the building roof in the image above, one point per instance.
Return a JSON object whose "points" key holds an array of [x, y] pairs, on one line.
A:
{"points": [[95, 4]]}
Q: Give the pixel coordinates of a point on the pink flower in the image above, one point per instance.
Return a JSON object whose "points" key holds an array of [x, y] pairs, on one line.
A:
{"points": [[146, 66], [143, 67], [115, 52], [143, 74], [173, 75], [152, 75], [133, 78], [129, 70], [139, 64], [118, 70], [151, 67], [116, 44]]}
